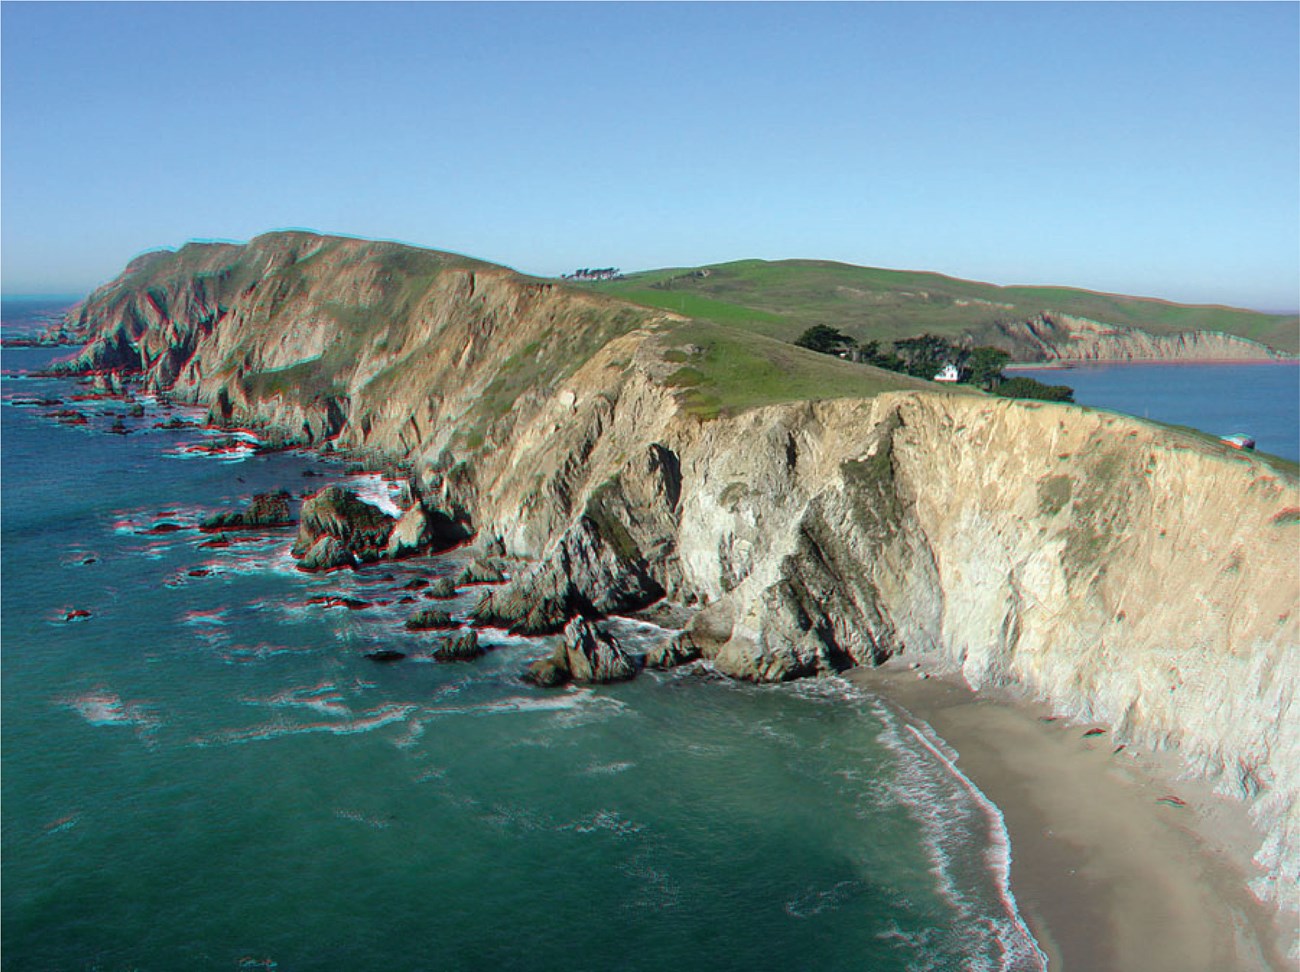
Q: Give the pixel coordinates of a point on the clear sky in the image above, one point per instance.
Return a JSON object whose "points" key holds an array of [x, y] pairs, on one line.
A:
{"points": [[1140, 148]]}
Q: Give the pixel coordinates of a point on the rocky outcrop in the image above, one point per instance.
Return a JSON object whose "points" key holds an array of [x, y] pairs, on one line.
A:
{"points": [[420, 529], [589, 574], [326, 553], [357, 529], [587, 655], [366, 533], [410, 534]]}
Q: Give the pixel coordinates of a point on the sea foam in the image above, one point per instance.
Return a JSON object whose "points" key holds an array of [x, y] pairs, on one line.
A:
{"points": [[951, 811]]}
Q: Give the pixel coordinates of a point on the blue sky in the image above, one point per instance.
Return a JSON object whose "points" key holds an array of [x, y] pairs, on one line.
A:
{"points": [[1140, 148]]}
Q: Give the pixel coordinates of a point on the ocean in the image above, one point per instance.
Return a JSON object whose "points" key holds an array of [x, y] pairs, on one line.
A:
{"points": [[1260, 399], [204, 771]]}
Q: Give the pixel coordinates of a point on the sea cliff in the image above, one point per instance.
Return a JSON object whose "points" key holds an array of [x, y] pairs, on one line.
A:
{"points": [[1063, 337], [1122, 571]]}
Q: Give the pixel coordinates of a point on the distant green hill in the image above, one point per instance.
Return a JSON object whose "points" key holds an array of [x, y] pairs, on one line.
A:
{"points": [[781, 299]]}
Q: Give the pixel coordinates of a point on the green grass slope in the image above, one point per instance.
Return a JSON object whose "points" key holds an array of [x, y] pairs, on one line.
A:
{"points": [[724, 370], [781, 299]]}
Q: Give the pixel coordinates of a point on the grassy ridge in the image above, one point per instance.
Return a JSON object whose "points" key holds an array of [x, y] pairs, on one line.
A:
{"points": [[781, 299]]}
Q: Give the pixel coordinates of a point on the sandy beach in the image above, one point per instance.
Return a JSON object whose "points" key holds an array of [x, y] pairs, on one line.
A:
{"points": [[1116, 864]]}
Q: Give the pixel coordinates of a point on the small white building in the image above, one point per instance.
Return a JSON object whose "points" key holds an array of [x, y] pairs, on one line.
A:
{"points": [[949, 373]]}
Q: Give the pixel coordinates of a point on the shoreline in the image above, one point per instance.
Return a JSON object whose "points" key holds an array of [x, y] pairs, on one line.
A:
{"points": [[1070, 364], [1116, 863]]}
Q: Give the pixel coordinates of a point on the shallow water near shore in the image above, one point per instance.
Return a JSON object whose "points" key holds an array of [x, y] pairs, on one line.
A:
{"points": [[204, 771]]}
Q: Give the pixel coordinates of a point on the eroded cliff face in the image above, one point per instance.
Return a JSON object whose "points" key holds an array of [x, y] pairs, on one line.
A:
{"points": [[1125, 572], [1052, 336]]}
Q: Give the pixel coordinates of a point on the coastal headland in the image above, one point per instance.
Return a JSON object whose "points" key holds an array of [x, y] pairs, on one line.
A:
{"points": [[811, 514]]}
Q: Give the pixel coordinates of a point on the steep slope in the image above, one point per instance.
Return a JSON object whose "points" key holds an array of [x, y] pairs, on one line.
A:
{"points": [[783, 298], [816, 514]]}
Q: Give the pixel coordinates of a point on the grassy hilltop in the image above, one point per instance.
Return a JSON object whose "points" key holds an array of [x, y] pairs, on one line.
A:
{"points": [[781, 299]]}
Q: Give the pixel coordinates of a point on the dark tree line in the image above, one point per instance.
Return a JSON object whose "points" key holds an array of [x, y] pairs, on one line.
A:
{"points": [[926, 356], [589, 273]]}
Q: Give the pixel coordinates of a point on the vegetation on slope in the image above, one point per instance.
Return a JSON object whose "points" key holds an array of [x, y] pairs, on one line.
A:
{"points": [[782, 299], [925, 356]]}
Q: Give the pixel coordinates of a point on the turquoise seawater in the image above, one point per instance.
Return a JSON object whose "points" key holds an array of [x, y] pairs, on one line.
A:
{"points": [[206, 772]]}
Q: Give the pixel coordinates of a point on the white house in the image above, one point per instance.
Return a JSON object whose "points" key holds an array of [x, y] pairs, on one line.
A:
{"points": [[949, 373]]}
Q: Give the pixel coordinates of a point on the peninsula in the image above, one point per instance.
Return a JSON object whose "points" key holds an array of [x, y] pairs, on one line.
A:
{"points": [[658, 437]]}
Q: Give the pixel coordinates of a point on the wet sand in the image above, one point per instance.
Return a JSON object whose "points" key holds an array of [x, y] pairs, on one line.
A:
{"points": [[1116, 865]]}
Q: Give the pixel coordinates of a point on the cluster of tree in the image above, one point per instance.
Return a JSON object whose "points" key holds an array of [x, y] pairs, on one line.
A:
{"points": [[926, 356], [587, 273], [1020, 387]]}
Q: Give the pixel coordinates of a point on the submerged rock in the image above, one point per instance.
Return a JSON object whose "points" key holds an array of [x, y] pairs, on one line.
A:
{"points": [[428, 619], [386, 655], [163, 526], [68, 416], [461, 647], [442, 589], [264, 510], [351, 603]]}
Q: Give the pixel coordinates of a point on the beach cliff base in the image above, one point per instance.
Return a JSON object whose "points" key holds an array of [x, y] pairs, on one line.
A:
{"points": [[1116, 863]]}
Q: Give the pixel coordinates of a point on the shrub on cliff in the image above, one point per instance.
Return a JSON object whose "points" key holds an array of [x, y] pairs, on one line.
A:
{"points": [[825, 340], [984, 366]]}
